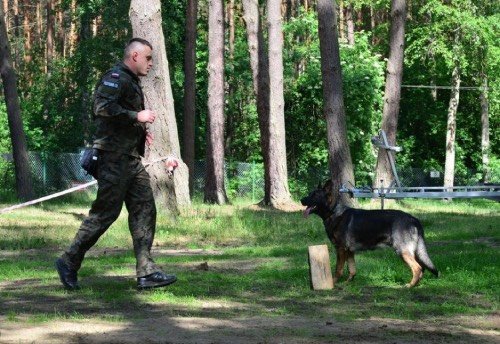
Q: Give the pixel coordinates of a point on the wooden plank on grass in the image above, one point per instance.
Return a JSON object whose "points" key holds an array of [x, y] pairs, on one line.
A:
{"points": [[319, 268]]}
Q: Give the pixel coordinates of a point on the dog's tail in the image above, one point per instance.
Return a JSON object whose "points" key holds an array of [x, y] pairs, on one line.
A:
{"points": [[423, 257]]}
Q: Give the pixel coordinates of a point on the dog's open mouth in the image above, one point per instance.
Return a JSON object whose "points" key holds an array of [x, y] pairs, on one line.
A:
{"points": [[308, 210]]}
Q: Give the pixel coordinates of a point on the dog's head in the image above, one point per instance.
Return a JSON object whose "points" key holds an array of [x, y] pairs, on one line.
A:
{"points": [[319, 201]]}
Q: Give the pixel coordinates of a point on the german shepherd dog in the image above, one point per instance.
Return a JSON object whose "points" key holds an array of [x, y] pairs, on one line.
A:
{"points": [[351, 230]]}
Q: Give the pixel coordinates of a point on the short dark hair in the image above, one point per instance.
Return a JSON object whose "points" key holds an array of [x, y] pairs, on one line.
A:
{"points": [[130, 44]]}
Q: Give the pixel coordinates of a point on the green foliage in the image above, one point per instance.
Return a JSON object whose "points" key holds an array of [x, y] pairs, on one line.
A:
{"points": [[56, 106], [363, 79], [5, 143], [242, 128], [440, 34], [245, 180], [495, 170], [8, 181]]}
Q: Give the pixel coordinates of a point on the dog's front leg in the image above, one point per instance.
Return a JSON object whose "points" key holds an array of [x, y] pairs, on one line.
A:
{"points": [[352, 265], [341, 258]]}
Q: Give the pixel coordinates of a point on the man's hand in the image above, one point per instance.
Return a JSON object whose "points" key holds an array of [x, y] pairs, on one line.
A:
{"points": [[171, 164], [146, 116], [149, 138]]}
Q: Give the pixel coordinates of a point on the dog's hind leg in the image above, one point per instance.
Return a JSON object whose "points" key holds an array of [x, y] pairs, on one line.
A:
{"points": [[352, 265], [416, 269], [339, 267]]}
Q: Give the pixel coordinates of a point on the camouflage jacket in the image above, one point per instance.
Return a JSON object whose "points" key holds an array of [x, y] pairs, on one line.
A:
{"points": [[117, 100]]}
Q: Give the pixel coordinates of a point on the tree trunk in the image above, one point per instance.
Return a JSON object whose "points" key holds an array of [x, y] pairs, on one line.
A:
{"points": [[84, 76], [215, 191], [451, 127], [50, 36], [39, 20], [485, 129], [279, 193], [96, 24], [72, 29], [24, 185], [341, 170], [230, 17], [373, 23], [259, 63], [190, 90], [392, 90], [27, 32], [350, 24], [342, 23], [15, 49], [60, 29], [231, 119], [290, 4], [433, 75], [170, 192], [6, 14]]}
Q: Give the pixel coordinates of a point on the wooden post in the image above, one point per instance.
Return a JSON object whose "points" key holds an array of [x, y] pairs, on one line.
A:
{"points": [[319, 268]]}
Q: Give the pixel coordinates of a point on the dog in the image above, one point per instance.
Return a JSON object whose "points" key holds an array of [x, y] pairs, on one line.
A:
{"points": [[351, 230]]}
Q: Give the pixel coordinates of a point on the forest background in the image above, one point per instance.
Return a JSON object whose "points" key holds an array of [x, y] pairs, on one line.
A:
{"points": [[60, 48]]}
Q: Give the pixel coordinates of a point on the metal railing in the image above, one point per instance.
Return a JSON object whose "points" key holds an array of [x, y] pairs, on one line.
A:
{"points": [[54, 172]]}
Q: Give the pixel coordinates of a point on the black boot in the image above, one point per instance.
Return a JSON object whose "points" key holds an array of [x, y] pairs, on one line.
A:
{"points": [[67, 275], [155, 280]]}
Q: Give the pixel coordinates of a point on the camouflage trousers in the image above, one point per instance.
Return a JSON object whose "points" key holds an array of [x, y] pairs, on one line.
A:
{"points": [[121, 178]]}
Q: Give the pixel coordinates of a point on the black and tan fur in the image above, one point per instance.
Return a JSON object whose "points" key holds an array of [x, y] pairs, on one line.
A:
{"points": [[352, 230]]}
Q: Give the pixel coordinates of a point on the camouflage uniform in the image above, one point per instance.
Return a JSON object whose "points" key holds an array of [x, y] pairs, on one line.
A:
{"points": [[120, 139]]}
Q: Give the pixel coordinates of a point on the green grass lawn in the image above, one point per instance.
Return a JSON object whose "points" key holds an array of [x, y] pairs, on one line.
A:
{"points": [[257, 266]]}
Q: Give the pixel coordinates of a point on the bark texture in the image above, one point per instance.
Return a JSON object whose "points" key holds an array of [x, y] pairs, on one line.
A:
{"points": [[24, 185], [278, 189], [190, 90], [485, 130], [215, 191], [170, 192], [392, 93], [259, 63], [350, 23], [49, 48], [451, 128], [340, 163]]}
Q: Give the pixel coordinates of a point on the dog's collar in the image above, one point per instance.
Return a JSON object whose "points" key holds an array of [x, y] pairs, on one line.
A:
{"points": [[336, 210]]}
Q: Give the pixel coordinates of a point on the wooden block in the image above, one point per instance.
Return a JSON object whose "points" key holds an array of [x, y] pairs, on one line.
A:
{"points": [[319, 268]]}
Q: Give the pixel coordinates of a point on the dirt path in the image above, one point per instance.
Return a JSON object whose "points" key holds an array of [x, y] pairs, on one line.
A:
{"points": [[255, 330]]}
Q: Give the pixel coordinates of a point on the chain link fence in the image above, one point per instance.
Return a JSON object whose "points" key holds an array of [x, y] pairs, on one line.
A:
{"points": [[53, 172]]}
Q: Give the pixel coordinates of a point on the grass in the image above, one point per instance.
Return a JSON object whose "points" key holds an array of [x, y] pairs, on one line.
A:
{"points": [[259, 268]]}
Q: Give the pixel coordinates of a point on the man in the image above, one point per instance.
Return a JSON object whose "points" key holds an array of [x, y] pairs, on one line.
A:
{"points": [[120, 139]]}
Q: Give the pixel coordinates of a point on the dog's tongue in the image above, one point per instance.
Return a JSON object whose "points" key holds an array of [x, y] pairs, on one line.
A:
{"points": [[307, 211]]}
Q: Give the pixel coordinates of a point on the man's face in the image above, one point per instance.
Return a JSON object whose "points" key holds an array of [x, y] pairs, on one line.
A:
{"points": [[143, 58]]}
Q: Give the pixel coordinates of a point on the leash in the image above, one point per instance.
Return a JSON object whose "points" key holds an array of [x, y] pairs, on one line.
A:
{"points": [[73, 189]]}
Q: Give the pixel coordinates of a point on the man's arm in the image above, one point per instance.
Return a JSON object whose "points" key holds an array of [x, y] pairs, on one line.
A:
{"points": [[107, 96], [107, 104]]}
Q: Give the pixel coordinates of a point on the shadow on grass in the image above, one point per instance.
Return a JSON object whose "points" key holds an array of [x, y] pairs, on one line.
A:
{"points": [[268, 300]]}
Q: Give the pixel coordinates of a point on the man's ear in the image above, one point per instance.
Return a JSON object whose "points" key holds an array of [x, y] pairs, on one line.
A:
{"points": [[135, 55]]}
